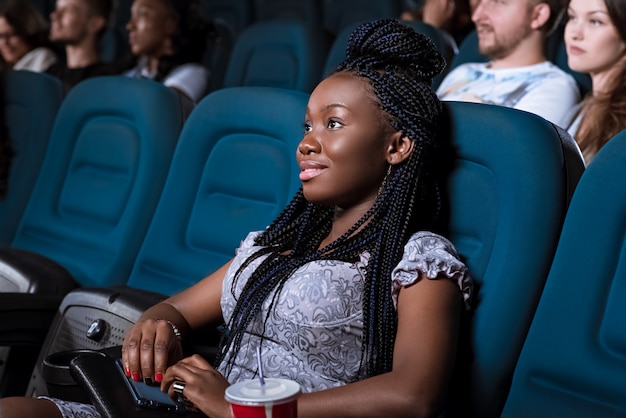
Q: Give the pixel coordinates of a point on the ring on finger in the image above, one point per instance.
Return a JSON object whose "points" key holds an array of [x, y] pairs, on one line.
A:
{"points": [[178, 387]]}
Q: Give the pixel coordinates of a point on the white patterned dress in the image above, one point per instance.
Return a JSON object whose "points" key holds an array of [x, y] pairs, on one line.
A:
{"points": [[314, 334]]}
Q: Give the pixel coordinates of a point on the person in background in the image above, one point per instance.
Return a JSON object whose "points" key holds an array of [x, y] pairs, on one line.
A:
{"points": [[168, 39], [24, 43], [595, 35], [79, 25], [512, 34], [352, 291], [453, 17]]}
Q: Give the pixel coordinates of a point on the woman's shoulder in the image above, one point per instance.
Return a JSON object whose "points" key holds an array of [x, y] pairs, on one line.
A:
{"points": [[432, 256], [188, 69], [425, 241], [190, 78], [38, 59]]}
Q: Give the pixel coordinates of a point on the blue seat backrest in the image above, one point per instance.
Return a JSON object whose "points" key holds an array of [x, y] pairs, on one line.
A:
{"points": [[114, 44], [468, 51], [339, 14], [31, 103], [573, 362], [107, 160], [278, 53], [237, 14], [220, 43], [233, 172], [508, 197], [337, 51], [305, 10]]}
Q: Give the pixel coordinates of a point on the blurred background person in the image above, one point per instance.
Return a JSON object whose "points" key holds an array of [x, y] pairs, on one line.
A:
{"points": [[512, 34], [453, 17], [595, 35], [167, 40], [78, 25], [24, 43]]}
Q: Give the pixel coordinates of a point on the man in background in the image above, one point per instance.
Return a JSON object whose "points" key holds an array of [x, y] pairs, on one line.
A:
{"points": [[78, 25], [512, 34]]}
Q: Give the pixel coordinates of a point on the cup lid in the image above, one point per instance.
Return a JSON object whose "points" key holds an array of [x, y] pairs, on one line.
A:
{"points": [[251, 391]]}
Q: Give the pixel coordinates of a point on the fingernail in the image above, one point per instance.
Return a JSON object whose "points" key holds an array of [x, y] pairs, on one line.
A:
{"points": [[127, 372], [147, 381], [158, 377], [136, 376]]}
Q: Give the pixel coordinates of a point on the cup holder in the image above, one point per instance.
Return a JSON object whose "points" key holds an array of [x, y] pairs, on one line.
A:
{"points": [[56, 373]]}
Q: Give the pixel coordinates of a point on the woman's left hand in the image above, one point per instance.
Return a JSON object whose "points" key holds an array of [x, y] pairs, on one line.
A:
{"points": [[204, 387]]}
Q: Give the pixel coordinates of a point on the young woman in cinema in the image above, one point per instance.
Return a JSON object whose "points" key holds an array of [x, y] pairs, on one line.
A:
{"points": [[595, 35], [351, 291]]}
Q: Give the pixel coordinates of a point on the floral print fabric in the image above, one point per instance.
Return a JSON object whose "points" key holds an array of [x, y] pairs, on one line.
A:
{"points": [[314, 334]]}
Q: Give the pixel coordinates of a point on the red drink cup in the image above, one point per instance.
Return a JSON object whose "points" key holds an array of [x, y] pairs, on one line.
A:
{"points": [[278, 398]]}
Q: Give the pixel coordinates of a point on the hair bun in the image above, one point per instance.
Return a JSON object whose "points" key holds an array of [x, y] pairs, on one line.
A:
{"points": [[390, 45]]}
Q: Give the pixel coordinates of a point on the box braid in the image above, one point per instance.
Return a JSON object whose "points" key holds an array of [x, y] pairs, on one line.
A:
{"points": [[400, 65]]}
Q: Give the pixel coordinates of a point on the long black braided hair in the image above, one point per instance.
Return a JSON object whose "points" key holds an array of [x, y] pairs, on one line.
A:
{"points": [[400, 65]]}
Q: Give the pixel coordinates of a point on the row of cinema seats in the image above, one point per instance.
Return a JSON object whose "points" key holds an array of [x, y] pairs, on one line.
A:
{"points": [[319, 20], [286, 53], [294, 55], [288, 44], [128, 231], [95, 207]]}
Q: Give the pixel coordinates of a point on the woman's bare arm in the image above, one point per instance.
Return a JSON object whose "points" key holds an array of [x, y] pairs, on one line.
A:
{"points": [[425, 349]]}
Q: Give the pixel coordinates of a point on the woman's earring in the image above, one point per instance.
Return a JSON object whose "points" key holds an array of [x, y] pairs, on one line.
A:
{"points": [[384, 183]]}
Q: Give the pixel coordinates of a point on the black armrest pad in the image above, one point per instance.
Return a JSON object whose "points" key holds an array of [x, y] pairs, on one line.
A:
{"points": [[25, 318], [104, 384], [28, 272]]}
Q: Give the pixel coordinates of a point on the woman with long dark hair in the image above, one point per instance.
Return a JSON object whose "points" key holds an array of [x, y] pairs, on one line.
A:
{"points": [[352, 292], [595, 36], [24, 43]]}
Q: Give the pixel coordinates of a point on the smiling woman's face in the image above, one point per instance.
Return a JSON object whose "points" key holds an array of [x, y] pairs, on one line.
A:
{"points": [[343, 152]]}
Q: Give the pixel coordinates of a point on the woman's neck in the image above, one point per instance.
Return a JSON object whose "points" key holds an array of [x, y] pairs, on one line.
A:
{"points": [[344, 219], [152, 65], [603, 82]]}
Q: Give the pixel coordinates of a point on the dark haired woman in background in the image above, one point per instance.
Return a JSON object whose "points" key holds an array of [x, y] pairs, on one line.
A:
{"points": [[168, 39], [351, 291], [24, 41], [595, 35]]}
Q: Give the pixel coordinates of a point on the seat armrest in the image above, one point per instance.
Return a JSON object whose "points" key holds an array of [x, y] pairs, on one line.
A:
{"points": [[24, 271], [100, 378], [25, 318]]}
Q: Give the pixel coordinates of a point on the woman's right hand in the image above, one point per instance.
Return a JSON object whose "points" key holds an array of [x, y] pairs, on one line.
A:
{"points": [[149, 347]]}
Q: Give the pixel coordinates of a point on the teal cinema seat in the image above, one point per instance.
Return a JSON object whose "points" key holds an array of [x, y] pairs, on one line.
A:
{"points": [[573, 361], [31, 103], [509, 189]]}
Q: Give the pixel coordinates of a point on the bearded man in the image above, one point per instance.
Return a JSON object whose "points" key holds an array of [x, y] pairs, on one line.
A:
{"points": [[512, 35]]}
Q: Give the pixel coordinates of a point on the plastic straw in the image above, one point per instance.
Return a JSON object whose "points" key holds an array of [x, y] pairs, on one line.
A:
{"points": [[260, 365]]}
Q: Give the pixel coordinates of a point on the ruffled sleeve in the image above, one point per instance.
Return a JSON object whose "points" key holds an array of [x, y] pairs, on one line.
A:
{"points": [[248, 241], [434, 256]]}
